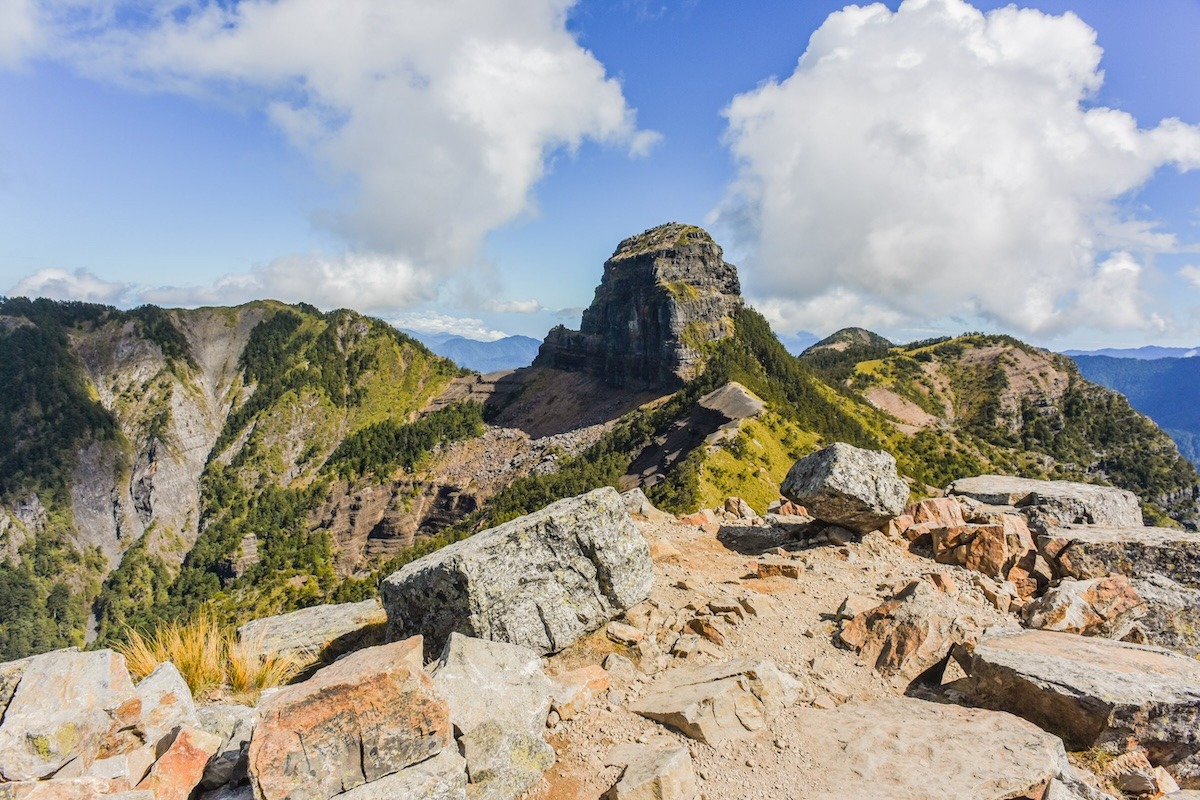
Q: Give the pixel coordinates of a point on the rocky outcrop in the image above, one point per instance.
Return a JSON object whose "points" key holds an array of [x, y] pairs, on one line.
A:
{"points": [[1093, 691], [495, 681], [913, 632], [540, 581], [848, 486], [664, 294], [1162, 565], [366, 716], [1106, 607], [1057, 502]]}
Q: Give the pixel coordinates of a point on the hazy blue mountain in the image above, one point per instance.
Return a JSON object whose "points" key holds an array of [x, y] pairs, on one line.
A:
{"points": [[798, 342], [1147, 352], [511, 352], [1164, 389]]}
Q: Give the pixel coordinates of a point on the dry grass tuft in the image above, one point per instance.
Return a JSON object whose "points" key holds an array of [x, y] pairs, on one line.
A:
{"points": [[208, 657]]}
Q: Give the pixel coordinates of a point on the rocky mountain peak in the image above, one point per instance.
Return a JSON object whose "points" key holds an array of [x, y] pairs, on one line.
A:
{"points": [[664, 294]]}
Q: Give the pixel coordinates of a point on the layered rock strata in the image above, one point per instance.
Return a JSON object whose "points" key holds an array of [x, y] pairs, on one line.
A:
{"points": [[664, 293]]}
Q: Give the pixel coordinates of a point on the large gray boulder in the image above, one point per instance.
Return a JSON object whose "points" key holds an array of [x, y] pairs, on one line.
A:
{"points": [[1060, 502], [541, 581], [1092, 691], [848, 486]]}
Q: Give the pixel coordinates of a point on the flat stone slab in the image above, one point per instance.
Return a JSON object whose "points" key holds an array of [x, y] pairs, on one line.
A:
{"points": [[718, 702], [900, 748], [1067, 501], [1091, 691], [312, 631]]}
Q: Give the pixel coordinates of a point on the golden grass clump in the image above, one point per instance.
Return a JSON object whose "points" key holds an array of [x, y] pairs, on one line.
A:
{"points": [[208, 657]]}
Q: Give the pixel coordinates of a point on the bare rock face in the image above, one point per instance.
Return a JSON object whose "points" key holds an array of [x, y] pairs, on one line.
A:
{"points": [[368, 715], [494, 681], [1093, 691], [540, 581], [1058, 502], [664, 293], [848, 486]]}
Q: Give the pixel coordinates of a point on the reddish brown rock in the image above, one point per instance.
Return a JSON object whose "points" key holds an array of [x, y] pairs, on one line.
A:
{"points": [[992, 549], [704, 519], [370, 714], [898, 526], [944, 511], [914, 631], [575, 689], [180, 768], [1100, 607]]}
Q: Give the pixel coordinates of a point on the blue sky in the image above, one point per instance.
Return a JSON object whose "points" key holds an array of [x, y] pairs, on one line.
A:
{"points": [[920, 168]]}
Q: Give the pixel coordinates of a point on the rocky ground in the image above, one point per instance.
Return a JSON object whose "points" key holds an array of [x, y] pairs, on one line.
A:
{"points": [[600, 648]]}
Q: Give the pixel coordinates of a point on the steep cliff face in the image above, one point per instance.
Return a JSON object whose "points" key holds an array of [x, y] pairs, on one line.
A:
{"points": [[170, 410], [664, 294]]}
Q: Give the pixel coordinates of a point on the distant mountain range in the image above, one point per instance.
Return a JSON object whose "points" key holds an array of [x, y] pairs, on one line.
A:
{"points": [[511, 352], [1141, 353], [1164, 388]]}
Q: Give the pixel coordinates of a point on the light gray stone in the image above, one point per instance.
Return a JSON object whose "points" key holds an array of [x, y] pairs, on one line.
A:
{"points": [[900, 748], [64, 703], [541, 581], [1092, 691], [639, 505], [484, 680], [718, 702], [657, 773], [235, 725], [166, 703], [502, 763], [1163, 564], [329, 630], [443, 777], [848, 486], [1064, 501]]}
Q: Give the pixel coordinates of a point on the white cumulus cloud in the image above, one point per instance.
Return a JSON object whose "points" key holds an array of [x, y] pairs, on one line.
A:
{"points": [[366, 282], [58, 284], [440, 116], [434, 322], [937, 161], [1191, 273]]}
